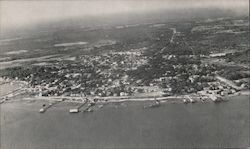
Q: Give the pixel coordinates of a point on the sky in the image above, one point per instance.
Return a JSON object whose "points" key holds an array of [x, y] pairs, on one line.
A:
{"points": [[21, 13]]}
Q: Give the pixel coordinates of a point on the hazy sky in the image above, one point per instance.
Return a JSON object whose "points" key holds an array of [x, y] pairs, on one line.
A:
{"points": [[21, 13]]}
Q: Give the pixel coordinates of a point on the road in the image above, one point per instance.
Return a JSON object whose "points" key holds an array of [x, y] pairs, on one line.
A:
{"points": [[174, 33]]}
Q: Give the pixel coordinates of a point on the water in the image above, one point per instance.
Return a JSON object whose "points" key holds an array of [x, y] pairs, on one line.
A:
{"points": [[200, 125]]}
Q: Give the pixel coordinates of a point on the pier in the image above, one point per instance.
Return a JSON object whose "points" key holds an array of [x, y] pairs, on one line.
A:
{"points": [[45, 108], [76, 110]]}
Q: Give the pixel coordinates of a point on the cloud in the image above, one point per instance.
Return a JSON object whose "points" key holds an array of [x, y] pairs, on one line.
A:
{"points": [[21, 13]]}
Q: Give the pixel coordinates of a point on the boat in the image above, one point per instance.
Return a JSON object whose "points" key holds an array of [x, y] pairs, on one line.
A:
{"points": [[100, 106], [185, 100], [42, 110], [89, 110], [73, 110], [154, 105], [190, 99]]}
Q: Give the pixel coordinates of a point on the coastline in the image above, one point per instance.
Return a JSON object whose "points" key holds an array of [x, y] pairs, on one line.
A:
{"points": [[189, 98]]}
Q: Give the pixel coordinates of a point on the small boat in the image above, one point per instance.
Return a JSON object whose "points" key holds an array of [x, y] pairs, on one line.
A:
{"points": [[190, 99], [185, 100], [154, 105], [42, 110], [218, 99], [89, 110], [73, 110], [100, 106]]}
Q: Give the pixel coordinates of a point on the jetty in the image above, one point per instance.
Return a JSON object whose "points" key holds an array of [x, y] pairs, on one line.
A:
{"points": [[77, 109], [45, 108]]}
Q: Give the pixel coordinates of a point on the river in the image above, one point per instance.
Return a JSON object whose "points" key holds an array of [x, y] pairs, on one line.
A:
{"points": [[199, 125]]}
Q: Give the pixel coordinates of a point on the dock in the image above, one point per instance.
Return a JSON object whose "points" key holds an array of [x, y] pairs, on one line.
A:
{"points": [[77, 109], [154, 105], [188, 99], [44, 109], [88, 107]]}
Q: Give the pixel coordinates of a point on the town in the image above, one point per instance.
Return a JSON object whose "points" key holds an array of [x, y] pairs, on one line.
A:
{"points": [[160, 65]]}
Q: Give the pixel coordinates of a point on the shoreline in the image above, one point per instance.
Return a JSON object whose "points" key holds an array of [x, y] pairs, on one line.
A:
{"points": [[188, 98], [170, 99]]}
